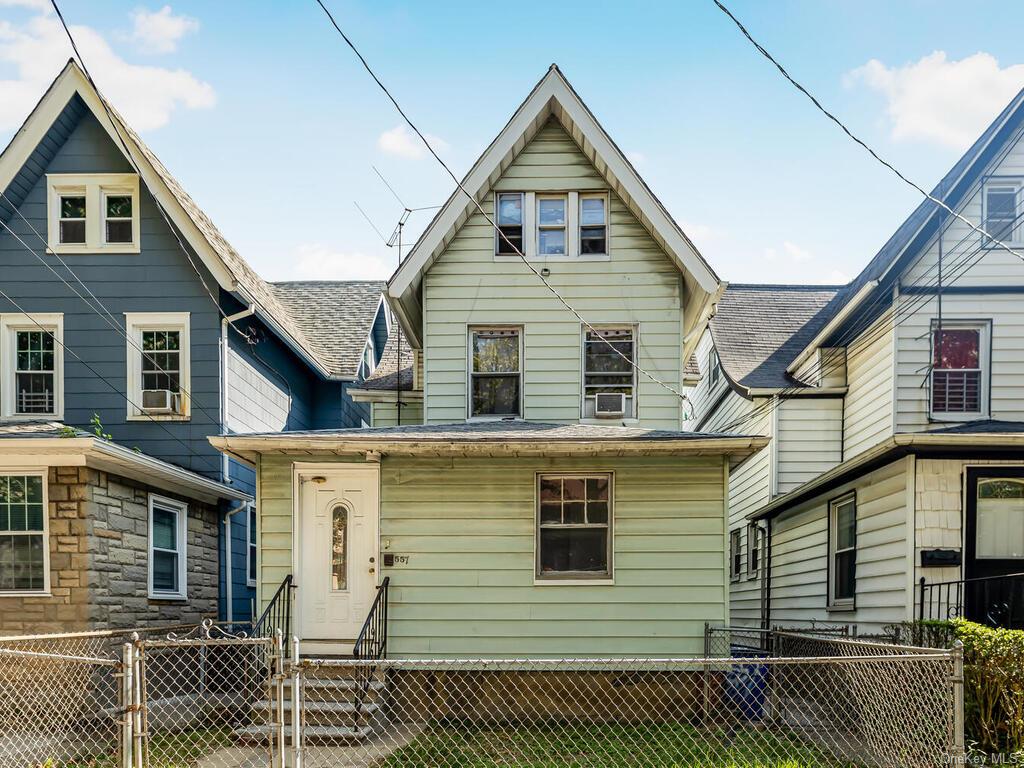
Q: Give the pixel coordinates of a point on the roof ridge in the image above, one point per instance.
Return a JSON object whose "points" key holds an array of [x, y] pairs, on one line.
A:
{"points": [[788, 286]]}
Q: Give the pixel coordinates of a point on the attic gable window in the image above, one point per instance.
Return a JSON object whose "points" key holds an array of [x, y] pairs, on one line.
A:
{"points": [[509, 237], [551, 223], [1002, 209], [93, 213], [593, 225]]}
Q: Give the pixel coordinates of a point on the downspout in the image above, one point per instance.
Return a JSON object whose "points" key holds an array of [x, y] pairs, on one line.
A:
{"points": [[225, 467], [228, 596], [766, 608]]}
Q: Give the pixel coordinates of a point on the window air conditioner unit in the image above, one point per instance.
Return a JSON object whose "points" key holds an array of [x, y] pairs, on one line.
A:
{"points": [[609, 405], [160, 401]]}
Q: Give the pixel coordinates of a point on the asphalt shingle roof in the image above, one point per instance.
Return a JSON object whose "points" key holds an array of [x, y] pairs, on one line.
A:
{"points": [[502, 431], [387, 375], [334, 316], [986, 427], [759, 329]]}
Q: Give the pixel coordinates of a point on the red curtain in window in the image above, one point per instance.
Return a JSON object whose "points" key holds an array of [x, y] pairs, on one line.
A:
{"points": [[956, 348]]}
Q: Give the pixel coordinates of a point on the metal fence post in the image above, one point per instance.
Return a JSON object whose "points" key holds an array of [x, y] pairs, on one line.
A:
{"points": [[279, 677], [706, 709], [298, 706], [139, 720], [957, 746], [127, 704]]}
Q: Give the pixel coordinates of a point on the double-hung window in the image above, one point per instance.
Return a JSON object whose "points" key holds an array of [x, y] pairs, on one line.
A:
{"points": [[168, 525], [93, 213], [958, 377], [842, 551], [753, 550], [714, 368], [158, 365], [24, 551], [593, 236], [250, 550], [574, 526], [32, 351], [609, 357], [509, 237], [1002, 210], [495, 376], [735, 553], [551, 225]]}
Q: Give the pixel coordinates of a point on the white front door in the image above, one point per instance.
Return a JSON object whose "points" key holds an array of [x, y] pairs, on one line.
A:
{"points": [[337, 550]]}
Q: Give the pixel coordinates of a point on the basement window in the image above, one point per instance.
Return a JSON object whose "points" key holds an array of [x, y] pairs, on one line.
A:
{"points": [[574, 526]]}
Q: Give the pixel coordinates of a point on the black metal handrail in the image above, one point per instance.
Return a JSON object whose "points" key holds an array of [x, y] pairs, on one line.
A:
{"points": [[372, 642], [994, 600], [278, 614]]}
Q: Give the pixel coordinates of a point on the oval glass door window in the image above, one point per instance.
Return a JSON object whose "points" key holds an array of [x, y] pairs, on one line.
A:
{"points": [[339, 548]]}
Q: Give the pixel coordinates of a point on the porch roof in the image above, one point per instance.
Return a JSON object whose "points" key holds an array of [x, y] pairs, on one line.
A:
{"points": [[981, 439], [493, 438]]}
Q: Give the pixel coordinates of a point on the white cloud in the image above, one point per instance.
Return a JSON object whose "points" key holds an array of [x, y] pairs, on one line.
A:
{"points": [[160, 31], [791, 253], [403, 142], [38, 49], [36, 5], [637, 158], [701, 234], [947, 102], [315, 261]]}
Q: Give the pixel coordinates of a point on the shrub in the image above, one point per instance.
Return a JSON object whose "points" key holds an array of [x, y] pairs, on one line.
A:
{"points": [[993, 678]]}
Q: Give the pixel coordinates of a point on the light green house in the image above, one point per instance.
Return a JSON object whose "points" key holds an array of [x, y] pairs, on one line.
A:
{"points": [[538, 498]]}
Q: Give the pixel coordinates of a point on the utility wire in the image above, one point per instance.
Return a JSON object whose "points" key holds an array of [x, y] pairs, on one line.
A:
{"points": [[561, 299], [857, 139]]}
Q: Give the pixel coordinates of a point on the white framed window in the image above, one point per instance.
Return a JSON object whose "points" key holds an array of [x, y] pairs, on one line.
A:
{"points": [[959, 375], [552, 221], [509, 219], [168, 528], [1002, 203], [250, 549], [369, 359], [574, 526], [714, 368], [842, 551], [735, 553], [609, 357], [495, 372], [593, 224], [32, 352], [1000, 519], [24, 534], [754, 539], [93, 213], [159, 365]]}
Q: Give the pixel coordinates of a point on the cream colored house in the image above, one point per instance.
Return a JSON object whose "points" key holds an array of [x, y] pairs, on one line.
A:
{"points": [[538, 497], [895, 409]]}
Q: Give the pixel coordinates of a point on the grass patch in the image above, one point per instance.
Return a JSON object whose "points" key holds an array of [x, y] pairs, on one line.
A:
{"points": [[182, 749], [609, 746]]}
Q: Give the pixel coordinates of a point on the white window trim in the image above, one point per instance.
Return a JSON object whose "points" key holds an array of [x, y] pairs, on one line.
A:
{"points": [[735, 553], [572, 210], [523, 201], [250, 544], [833, 531], [566, 227], [470, 330], [714, 369], [182, 520], [9, 325], [755, 539], [95, 187], [575, 580], [635, 419], [984, 361], [134, 324], [1017, 233], [607, 225], [44, 474]]}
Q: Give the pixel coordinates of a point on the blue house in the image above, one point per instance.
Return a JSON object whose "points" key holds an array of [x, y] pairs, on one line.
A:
{"points": [[130, 331]]}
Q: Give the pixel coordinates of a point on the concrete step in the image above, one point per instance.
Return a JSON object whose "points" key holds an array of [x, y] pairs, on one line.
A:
{"points": [[345, 708], [337, 683], [312, 733]]}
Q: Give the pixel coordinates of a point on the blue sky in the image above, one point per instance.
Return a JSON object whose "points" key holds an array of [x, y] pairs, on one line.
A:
{"points": [[272, 126]]}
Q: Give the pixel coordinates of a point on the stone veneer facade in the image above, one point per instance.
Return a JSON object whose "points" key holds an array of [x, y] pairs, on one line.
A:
{"points": [[99, 555]]}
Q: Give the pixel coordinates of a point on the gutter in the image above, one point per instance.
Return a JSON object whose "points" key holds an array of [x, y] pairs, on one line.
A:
{"points": [[886, 452], [831, 325], [225, 467]]}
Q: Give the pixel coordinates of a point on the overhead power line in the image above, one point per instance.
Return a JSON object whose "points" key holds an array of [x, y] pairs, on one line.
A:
{"points": [[472, 198]]}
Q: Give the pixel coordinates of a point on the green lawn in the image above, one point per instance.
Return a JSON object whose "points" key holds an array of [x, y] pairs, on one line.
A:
{"points": [[607, 746]]}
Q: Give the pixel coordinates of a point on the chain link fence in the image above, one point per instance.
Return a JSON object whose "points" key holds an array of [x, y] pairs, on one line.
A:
{"points": [[208, 698]]}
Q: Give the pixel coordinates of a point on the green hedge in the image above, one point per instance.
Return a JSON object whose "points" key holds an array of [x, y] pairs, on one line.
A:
{"points": [[993, 679]]}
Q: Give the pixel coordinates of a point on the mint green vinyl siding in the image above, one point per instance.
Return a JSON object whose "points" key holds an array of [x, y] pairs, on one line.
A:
{"points": [[467, 526], [386, 414], [638, 285]]}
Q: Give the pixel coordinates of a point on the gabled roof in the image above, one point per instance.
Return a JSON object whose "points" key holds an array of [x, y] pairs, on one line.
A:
{"points": [[758, 329], [335, 316], [554, 97], [394, 369], [227, 267], [922, 224]]}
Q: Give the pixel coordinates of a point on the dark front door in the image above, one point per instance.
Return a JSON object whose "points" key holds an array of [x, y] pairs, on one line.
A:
{"points": [[994, 546]]}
